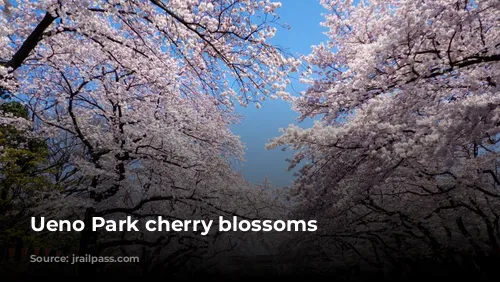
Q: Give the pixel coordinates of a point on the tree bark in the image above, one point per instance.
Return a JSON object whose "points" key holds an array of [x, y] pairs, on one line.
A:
{"points": [[30, 43], [88, 246]]}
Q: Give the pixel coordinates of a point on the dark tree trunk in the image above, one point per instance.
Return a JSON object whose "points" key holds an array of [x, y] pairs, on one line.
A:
{"points": [[88, 254], [30, 43]]}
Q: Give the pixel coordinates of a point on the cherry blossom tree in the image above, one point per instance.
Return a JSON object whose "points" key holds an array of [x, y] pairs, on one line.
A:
{"points": [[403, 161], [144, 93]]}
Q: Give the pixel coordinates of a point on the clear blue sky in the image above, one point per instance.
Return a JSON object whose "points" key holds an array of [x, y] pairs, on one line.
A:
{"points": [[260, 125]]}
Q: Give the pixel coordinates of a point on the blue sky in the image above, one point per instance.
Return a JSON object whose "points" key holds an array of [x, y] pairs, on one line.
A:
{"points": [[260, 125]]}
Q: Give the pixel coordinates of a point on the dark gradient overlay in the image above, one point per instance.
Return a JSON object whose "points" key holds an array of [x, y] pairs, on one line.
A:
{"points": [[332, 251]]}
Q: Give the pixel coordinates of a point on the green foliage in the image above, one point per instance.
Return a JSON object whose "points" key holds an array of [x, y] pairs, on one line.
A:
{"points": [[15, 108], [21, 157], [23, 171]]}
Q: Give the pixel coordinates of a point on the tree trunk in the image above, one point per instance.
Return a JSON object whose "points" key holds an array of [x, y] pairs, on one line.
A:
{"points": [[88, 254]]}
